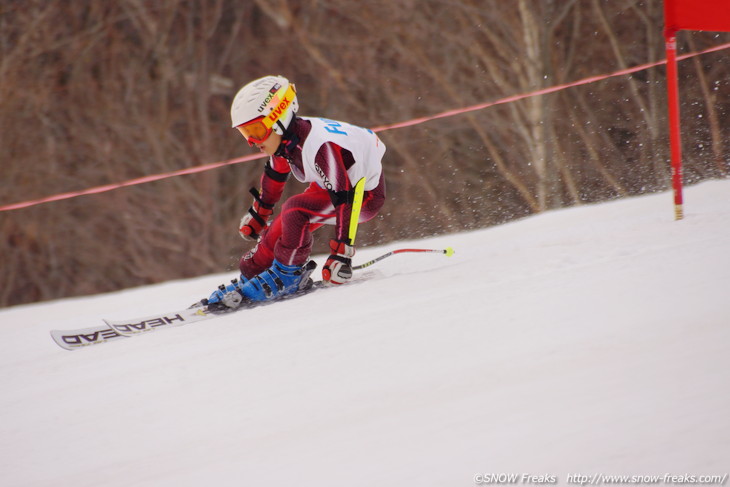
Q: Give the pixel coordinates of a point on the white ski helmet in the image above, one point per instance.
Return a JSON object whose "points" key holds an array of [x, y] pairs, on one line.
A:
{"points": [[271, 98]]}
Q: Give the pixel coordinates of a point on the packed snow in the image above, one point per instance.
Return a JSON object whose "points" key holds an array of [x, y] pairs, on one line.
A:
{"points": [[590, 340]]}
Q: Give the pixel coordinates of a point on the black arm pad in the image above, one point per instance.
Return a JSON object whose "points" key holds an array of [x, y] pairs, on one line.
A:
{"points": [[257, 197], [280, 177]]}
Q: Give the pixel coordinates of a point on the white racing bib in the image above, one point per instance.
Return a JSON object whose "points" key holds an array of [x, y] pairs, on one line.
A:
{"points": [[364, 144]]}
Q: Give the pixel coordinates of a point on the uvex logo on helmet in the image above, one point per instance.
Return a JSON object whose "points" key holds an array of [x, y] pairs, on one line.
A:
{"points": [[268, 98], [265, 102], [279, 109]]}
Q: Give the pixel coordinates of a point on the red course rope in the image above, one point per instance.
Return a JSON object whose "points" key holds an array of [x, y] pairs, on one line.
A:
{"points": [[382, 128]]}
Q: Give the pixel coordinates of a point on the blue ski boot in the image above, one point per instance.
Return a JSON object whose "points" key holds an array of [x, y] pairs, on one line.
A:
{"points": [[226, 297], [279, 280]]}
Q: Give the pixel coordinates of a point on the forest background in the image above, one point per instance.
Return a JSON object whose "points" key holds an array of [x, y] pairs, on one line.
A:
{"points": [[96, 92]]}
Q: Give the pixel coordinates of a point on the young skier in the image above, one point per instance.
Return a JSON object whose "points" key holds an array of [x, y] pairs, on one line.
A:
{"points": [[332, 156]]}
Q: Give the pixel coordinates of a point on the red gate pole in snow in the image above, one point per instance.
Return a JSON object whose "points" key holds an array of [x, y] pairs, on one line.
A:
{"points": [[675, 137], [712, 15]]}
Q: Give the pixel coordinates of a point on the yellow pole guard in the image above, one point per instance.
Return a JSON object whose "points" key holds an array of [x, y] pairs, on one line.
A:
{"points": [[356, 207]]}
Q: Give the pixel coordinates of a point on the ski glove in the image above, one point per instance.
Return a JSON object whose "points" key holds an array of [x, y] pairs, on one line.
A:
{"points": [[254, 222], [338, 268]]}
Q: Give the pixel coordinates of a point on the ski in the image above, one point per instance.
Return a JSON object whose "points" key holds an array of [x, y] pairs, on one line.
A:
{"points": [[136, 326], [84, 337], [115, 330]]}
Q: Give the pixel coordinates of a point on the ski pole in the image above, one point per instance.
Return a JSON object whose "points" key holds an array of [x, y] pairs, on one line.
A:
{"points": [[448, 252]]}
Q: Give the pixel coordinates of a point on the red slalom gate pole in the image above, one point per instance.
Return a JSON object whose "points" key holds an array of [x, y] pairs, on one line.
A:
{"points": [[675, 137]]}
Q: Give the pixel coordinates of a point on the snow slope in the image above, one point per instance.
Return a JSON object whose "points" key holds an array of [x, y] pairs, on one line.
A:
{"points": [[587, 340]]}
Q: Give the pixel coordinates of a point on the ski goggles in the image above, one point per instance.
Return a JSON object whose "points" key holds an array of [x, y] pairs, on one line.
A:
{"points": [[256, 131], [259, 129]]}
